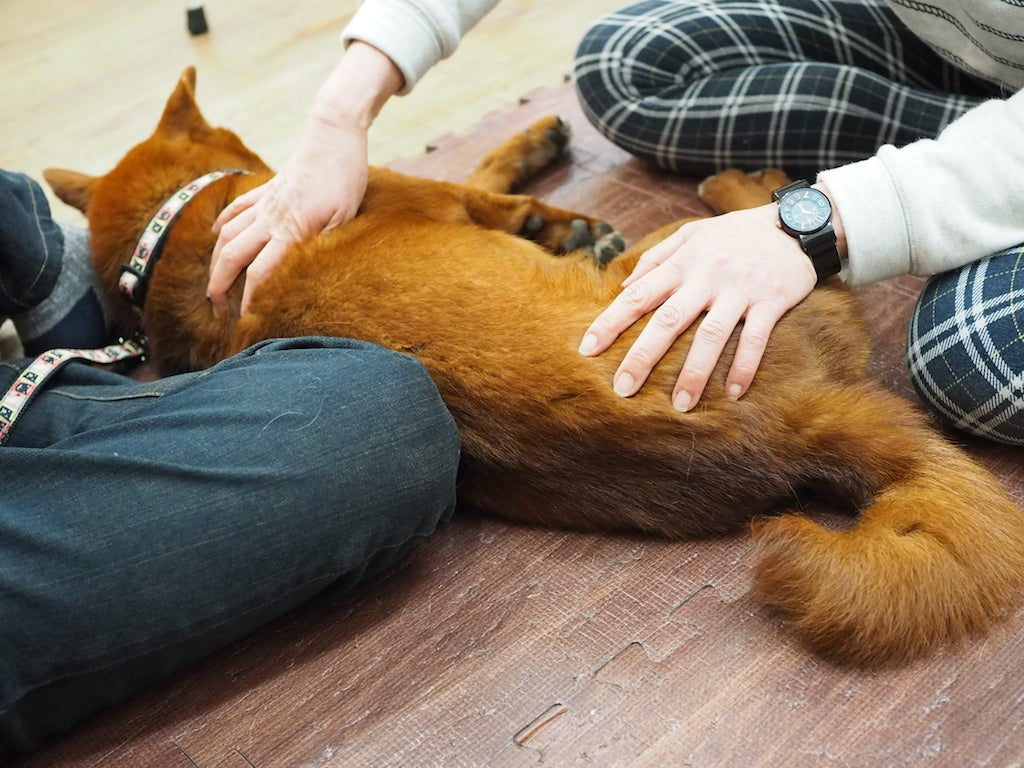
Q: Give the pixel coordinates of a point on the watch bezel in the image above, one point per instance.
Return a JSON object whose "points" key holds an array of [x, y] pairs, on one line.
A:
{"points": [[819, 243], [795, 224]]}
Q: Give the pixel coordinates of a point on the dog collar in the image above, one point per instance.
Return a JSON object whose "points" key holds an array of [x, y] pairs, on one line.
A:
{"points": [[135, 274]]}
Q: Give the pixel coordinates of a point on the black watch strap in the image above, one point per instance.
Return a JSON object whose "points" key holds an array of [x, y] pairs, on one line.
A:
{"points": [[821, 249], [820, 246], [781, 192]]}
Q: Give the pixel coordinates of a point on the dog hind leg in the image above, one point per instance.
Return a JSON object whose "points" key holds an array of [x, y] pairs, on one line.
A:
{"points": [[557, 230], [514, 162]]}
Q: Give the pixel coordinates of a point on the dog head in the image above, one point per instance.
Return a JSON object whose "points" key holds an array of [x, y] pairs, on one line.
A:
{"points": [[119, 204]]}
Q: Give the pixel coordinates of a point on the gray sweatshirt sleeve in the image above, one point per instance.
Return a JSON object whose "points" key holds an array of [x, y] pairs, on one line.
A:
{"points": [[415, 34], [935, 204]]}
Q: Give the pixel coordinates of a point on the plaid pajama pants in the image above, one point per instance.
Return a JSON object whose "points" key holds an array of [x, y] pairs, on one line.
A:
{"points": [[965, 347], [695, 86]]}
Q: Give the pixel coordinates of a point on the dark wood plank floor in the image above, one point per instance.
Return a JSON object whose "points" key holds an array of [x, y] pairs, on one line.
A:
{"points": [[498, 645]]}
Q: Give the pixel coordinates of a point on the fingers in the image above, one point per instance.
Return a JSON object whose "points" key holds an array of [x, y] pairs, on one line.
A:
{"points": [[239, 204], [229, 231], [231, 255], [637, 299], [758, 325], [260, 269], [664, 327], [722, 318], [655, 256], [709, 341]]}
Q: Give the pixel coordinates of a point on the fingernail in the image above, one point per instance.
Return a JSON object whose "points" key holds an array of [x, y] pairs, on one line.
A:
{"points": [[624, 385], [734, 392], [589, 344], [682, 402]]}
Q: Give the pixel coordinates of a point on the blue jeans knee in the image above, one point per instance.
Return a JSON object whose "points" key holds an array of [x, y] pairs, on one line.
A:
{"points": [[143, 526]]}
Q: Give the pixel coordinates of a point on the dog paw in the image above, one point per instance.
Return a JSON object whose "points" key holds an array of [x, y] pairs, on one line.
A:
{"points": [[543, 143], [579, 237], [598, 240], [733, 190], [532, 226], [608, 247]]}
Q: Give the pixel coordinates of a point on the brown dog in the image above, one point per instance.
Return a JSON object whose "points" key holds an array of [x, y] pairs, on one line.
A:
{"points": [[465, 278]]}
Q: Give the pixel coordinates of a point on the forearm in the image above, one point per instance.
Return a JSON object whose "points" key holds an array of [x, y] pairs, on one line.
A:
{"points": [[357, 89]]}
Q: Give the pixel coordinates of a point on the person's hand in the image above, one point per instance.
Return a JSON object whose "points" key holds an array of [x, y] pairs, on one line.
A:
{"points": [[736, 267], [319, 188], [321, 185]]}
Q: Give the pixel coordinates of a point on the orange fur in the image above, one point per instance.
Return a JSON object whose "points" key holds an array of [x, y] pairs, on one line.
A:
{"points": [[463, 277]]}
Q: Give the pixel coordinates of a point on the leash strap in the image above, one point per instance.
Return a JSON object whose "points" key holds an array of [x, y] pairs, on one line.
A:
{"points": [[31, 380], [135, 274]]}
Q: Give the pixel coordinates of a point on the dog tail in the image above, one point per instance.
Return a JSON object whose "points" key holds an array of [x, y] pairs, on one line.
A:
{"points": [[936, 556]]}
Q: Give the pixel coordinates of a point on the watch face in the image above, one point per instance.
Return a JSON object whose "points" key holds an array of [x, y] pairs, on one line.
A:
{"points": [[805, 210]]}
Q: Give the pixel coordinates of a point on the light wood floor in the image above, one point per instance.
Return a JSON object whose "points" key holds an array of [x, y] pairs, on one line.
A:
{"points": [[82, 81]]}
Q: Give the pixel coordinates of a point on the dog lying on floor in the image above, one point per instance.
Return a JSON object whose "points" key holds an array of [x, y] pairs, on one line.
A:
{"points": [[492, 292]]}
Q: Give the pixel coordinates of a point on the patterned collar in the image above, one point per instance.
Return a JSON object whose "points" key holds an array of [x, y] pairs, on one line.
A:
{"points": [[136, 273]]}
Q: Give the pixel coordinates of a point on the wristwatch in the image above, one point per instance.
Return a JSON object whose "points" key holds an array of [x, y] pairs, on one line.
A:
{"points": [[806, 214]]}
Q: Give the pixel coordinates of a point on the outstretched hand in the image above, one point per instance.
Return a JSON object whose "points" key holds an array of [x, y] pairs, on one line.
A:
{"points": [[320, 187], [737, 267]]}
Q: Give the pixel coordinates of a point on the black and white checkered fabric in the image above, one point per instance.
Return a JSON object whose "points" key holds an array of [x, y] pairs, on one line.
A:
{"points": [[696, 86], [965, 347]]}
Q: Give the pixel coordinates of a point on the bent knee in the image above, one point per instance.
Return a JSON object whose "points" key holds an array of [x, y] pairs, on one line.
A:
{"points": [[965, 353], [356, 426], [406, 441]]}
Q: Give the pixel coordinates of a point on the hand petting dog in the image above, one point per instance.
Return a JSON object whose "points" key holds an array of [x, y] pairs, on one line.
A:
{"points": [[321, 185]]}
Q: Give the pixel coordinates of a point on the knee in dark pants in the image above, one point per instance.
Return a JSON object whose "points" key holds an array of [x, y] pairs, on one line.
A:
{"points": [[965, 348], [371, 424]]}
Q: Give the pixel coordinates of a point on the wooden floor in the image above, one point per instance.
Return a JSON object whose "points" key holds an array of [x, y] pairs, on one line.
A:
{"points": [[498, 645], [81, 80]]}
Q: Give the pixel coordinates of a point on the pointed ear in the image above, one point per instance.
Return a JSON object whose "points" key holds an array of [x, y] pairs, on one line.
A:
{"points": [[72, 187], [181, 114]]}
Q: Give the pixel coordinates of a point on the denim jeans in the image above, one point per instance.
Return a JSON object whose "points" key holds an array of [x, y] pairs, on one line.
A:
{"points": [[144, 525]]}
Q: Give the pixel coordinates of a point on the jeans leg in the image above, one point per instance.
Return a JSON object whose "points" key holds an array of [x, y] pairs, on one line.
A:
{"points": [[965, 347], [30, 244], [47, 283], [144, 525]]}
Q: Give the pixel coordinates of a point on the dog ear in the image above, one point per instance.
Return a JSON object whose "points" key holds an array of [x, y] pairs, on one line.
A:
{"points": [[72, 187], [181, 114]]}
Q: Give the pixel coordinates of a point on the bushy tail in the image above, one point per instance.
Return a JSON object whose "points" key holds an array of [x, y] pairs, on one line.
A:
{"points": [[936, 557]]}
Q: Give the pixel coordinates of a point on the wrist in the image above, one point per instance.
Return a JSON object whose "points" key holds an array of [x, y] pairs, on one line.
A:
{"points": [[357, 89], [805, 213]]}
